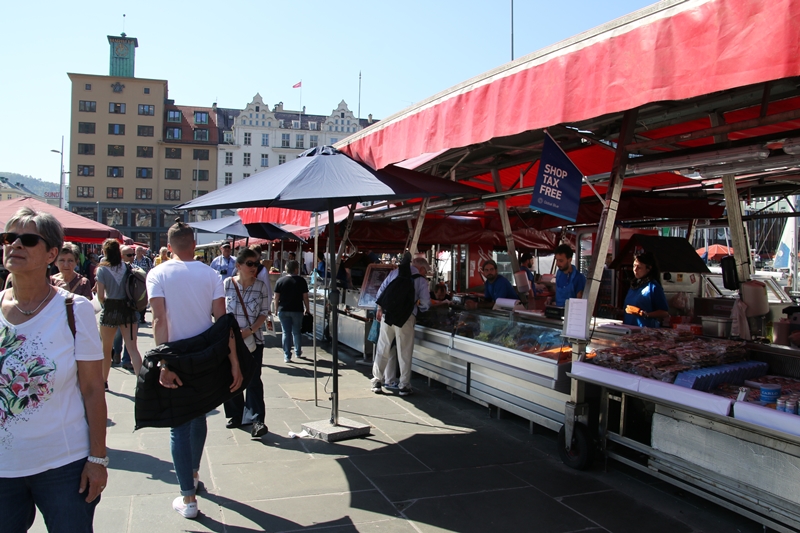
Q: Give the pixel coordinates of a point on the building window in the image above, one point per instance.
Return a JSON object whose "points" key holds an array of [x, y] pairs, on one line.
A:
{"points": [[200, 117], [147, 90], [299, 141], [199, 175], [281, 159], [200, 135], [228, 136], [172, 194], [144, 194], [313, 140], [115, 172], [195, 194], [87, 105], [245, 176], [264, 160], [312, 125], [145, 131], [85, 192], [172, 174], [342, 115], [228, 158], [246, 159], [247, 138], [296, 124], [200, 154], [116, 108], [173, 133], [173, 153], [149, 110], [114, 192], [85, 170], [144, 151], [265, 139], [228, 178], [85, 149], [86, 127], [173, 115], [284, 140], [116, 129], [88, 87], [116, 150], [144, 173]]}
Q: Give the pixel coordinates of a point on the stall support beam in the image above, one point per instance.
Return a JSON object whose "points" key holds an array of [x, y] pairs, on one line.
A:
{"points": [[608, 218], [423, 208], [503, 212], [741, 248]]}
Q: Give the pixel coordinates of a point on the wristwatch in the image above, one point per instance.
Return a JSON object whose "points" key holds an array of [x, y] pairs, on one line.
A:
{"points": [[98, 460]]}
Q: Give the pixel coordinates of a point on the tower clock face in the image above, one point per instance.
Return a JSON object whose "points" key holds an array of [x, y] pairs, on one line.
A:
{"points": [[121, 50]]}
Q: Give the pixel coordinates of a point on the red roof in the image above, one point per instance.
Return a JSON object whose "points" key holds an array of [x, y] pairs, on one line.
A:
{"points": [[76, 227]]}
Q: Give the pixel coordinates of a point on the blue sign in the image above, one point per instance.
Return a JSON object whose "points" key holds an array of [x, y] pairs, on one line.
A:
{"points": [[558, 183]]}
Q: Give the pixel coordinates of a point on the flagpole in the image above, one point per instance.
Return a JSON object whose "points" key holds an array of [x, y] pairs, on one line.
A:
{"points": [[359, 99], [300, 115]]}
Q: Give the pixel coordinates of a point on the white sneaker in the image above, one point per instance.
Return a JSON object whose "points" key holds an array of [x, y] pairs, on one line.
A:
{"points": [[186, 510]]}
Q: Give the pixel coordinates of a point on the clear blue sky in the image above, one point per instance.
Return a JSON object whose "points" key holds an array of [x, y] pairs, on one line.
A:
{"points": [[228, 51]]}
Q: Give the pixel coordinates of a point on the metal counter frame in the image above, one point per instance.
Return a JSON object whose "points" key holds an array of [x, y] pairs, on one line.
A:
{"points": [[738, 490]]}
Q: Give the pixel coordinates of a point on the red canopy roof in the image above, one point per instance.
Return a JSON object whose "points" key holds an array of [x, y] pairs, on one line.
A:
{"points": [[668, 51], [76, 227]]}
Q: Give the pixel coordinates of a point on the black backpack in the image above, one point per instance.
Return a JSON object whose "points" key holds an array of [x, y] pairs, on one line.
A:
{"points": [[399, 297], [135, 288]]}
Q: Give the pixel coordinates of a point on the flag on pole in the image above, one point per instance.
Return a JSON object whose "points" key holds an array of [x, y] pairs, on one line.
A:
{"points": [[297, 85]]}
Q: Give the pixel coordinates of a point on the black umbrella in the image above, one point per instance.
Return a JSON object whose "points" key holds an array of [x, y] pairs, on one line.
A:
{"points": [[322, 179], [234, 226]]}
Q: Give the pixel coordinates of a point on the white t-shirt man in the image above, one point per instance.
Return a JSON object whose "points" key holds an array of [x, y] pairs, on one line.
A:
{"points": [[43, 420], [188, 289]]}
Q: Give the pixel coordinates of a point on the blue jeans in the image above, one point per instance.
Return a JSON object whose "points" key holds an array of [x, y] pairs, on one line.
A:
{"points": [[249, 406], [187, 441], [55, 493], [291, 321]]}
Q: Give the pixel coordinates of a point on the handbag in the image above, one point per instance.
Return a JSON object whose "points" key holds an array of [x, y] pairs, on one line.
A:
{"points": [[374, 331], [249, 341], [308, 324]]}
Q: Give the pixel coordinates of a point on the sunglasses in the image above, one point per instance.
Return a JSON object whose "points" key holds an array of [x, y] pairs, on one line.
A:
{"points": [[129, 255], [251, 263], [28, 240]]}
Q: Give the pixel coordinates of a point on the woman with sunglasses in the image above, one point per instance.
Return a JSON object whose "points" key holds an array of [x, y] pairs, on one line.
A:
{"points": [[67, 278], [116, 313], [52, 404], [245, 288]]}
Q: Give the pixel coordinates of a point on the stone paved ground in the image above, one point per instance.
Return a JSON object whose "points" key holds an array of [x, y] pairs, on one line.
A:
{"points": [[433, 462]]}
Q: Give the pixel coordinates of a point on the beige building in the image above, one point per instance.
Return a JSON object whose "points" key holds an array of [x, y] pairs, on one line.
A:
{"points": [[133, 153]]}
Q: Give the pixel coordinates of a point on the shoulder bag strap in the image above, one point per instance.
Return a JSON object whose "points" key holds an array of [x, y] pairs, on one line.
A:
{"points": [[241, 301], [70, 315]]}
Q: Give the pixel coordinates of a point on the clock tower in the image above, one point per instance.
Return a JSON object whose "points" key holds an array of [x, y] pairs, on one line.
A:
{"points": [[122, 55]]}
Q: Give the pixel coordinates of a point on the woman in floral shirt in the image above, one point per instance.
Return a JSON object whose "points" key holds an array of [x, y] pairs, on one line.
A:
{"points": [[52, 402]]}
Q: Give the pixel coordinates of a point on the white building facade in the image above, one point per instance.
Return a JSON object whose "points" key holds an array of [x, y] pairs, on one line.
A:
{"points": [[257, 137]]}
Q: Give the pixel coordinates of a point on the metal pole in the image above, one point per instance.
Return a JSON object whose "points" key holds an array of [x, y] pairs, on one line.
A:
{"points": [[61, 178], [503, 212], [512, 30], [423, 208], [314, 334], [334, 320], [741, 246]]}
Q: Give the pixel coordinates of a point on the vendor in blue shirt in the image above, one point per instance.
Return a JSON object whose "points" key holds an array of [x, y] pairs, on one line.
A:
{"points": [[569, 282], [496, 286], [645, 304]]}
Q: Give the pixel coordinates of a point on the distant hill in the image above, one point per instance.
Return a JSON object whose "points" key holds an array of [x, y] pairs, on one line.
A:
{"points": [[36, 185]]}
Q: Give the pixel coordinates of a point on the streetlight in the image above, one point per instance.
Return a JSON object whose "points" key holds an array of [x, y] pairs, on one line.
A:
{"points": [[61, 175]]}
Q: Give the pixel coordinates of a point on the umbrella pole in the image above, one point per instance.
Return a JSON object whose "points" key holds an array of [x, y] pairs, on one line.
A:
{"points": [[333, 323], [315, 276]]}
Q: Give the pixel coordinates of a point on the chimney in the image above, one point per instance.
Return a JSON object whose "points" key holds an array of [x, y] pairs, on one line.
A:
{"points": [[214, 107], [369, 118]]}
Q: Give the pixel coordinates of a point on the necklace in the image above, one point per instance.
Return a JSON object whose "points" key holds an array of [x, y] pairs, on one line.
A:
{"points": [[29, 313]]}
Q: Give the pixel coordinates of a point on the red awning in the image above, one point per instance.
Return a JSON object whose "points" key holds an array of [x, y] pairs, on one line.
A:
{"points": [[668, 51], [76, 227]]}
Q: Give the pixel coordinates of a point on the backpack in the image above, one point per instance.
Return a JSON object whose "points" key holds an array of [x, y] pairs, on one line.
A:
{"points": [[135, 288], [399, 297]]}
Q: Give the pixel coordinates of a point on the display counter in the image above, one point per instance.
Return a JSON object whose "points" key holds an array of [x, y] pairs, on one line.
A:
{"points": [[515, 362], [705, 427]]}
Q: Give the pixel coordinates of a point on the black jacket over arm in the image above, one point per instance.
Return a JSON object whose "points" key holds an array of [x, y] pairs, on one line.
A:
{"points": [[203, 365]]}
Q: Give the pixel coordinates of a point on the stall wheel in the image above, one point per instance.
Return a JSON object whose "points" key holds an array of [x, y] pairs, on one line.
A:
{"points": [[579, 455]]}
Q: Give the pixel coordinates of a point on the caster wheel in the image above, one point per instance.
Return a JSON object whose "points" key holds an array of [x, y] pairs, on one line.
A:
{"points": [[579, 455]]}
